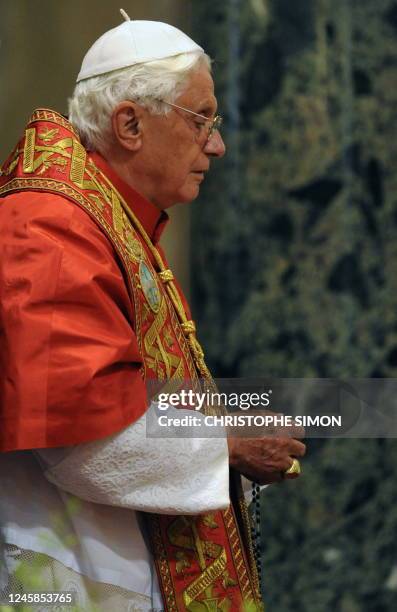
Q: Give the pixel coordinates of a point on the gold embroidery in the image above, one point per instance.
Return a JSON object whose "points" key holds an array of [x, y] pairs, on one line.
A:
{"points": [[31, 164], [14, 159], [209, 574], [77, 168], [61, 162], [156, 326], [178, 538], [165, 357], [134, 247], [46, 114], [48, 134], [28, 151], [207, 577], [57, 147], [182, 562], [190, 540], [146, 313], [117, 213], [161, 561], [211, 549], [94, 184], [227, 580], [209, 521], [174, 383], [97, 201], [157, 356], [235, 545], [168, 336], [225, 604]]}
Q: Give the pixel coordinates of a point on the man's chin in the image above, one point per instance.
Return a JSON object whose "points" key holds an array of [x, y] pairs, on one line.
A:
{"points": [[185, 196], [189, 195]]}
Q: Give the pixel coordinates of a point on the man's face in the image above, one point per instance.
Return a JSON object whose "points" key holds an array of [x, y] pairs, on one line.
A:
{"points": [[175, 153]]}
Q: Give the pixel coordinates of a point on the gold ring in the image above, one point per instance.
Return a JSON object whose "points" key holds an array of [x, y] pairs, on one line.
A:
{"points": [[295, 467]]}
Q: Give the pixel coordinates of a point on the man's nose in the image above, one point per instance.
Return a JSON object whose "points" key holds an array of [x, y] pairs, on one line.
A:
{"points": [[215, 145]]}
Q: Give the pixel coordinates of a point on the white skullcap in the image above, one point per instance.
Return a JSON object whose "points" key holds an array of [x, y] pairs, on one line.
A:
{"points": [[134, 42]]}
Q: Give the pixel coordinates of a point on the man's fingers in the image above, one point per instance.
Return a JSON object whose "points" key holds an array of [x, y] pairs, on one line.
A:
{"points": [[264, 459], [296, 448]]}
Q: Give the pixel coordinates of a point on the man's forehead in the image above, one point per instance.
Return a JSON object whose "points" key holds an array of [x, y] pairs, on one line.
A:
{"points": [[200, 92], [202, 104]]}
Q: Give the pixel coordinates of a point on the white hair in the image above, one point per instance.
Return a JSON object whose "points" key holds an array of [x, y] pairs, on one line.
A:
{"points": [[94, 99]]}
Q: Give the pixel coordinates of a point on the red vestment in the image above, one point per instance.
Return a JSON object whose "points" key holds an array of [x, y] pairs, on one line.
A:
{"points": [[68, 355]]}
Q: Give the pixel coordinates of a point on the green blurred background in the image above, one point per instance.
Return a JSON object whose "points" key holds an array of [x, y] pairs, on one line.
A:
{"points": [[289, 253]]}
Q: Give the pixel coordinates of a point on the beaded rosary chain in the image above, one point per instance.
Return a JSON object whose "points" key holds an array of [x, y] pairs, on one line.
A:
{"points": [[255, 530]]}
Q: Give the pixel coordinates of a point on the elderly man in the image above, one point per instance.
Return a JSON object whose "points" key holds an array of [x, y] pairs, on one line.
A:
{"points": [[89, 312]]}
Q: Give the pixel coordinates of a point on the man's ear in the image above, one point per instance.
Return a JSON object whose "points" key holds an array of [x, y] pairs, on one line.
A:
{"points": [[126, 123]]}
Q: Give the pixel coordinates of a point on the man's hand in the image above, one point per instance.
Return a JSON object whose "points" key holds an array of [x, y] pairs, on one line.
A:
{"points": [[265, 460]]}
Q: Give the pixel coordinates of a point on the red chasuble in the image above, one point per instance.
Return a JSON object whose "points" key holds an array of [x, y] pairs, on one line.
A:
{"points": [[88, 314]]}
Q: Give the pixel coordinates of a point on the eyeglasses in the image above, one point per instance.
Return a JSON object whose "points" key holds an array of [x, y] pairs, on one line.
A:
{"points": [[214, 124]]}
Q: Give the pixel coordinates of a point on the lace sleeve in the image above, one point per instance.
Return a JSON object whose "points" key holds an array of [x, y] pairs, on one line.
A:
{"points": [[163, 475]]}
